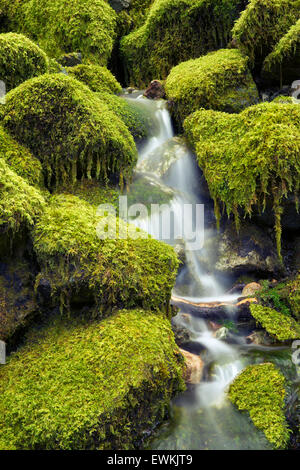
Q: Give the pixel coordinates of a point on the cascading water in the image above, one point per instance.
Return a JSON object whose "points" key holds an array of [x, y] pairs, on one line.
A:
{"points": [[202, 417]]}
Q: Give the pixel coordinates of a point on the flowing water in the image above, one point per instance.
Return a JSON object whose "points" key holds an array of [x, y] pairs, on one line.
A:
{"points": [[202, 417]]}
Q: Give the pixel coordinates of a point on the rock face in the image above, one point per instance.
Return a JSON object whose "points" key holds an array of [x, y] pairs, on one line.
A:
{"points": [[194, 367], [155, 90], [251, 289]]}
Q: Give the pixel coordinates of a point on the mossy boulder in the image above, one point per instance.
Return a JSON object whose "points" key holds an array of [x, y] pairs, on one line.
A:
{"points": [[69, 129], [20, 59], [284, 296], [283, 63], [88, 259], [262, 24], [219, 80], [64, 26], [260, 390], [100, 385], [278, 324], [97, 78], [175, 31], [249, 158]]}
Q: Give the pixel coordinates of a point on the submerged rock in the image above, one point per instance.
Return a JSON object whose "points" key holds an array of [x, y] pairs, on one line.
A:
{"points": [[193, 367]]}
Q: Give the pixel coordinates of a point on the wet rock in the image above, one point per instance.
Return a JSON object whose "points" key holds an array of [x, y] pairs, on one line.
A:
{"points": [[182, 334], [70, 60], [250, 250], [260, 338], [250, 289], [194, 367], [290, 219], [119, 5], [295, 89], [155, 91], [222, 333]]}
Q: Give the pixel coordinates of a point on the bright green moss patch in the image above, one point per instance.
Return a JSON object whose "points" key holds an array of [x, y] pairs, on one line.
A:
{"points": [[20, 59], [70, 130], [97, 78], [90, 385], [278, 324], [284, 60], [220, 80], [20, 160], [63, 26], [175, 31], [294, 296], [249, 157], [85, 259], [259, 389], [262, 24]]}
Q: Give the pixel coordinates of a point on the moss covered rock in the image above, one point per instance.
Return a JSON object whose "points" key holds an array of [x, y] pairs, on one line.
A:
{"points": [[20, 59], [283, 296], [283, 63], [83, 398], [220, 80], [277, 324], [259, 389], [175, 31], [261, 26], [69, 129], [249, 157], [81, 263], [63, 26], [98, 79]]}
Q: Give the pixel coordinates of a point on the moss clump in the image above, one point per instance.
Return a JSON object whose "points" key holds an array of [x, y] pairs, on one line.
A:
{"points": [[259, 389], [249, 157], [283, 296], [220, 80], [284, 61], [261, 26], [20, 59], [294, 295], [278, 324], [20, 203], [175, 31], [97, 78], [69, 129], [86, 258], [63, 26], [100, 385], [20, 160]]}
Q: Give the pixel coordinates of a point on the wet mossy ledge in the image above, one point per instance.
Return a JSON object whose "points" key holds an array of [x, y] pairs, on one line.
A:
{"points": [[249, 159], [97, 78], [100, 385], [261, 25], [175, 31], [70, 130], [64, 26], [219, 80], [20, 59], [86, 258], [260, 390], [284, 297], [280, 325]]}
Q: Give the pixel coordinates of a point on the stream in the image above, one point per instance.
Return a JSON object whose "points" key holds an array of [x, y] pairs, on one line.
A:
{"points": [[202, 417]]}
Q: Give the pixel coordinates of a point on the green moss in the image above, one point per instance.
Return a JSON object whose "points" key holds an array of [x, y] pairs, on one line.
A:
{"points": [[20, 203], [220, 80], [100, 385], [81, 267], [63, 26], [175, 31], [294, 296], [284, 60], [262, 24], [20, 59], [69, 129], [284, 100], [259, 389], [97, 78], [278, 324], [249, 157], [20, 160]]}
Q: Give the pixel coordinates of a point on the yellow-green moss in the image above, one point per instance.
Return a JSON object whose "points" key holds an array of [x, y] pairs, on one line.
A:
{"points": [[277, 324], [262, 24], [69, 129], [20, 59], [118, 272], [249, 157], [97, 78], [175, 31], [90, 385], [294, 296], [63, 26], [259, 389], [92, 192], [220, 80]]}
